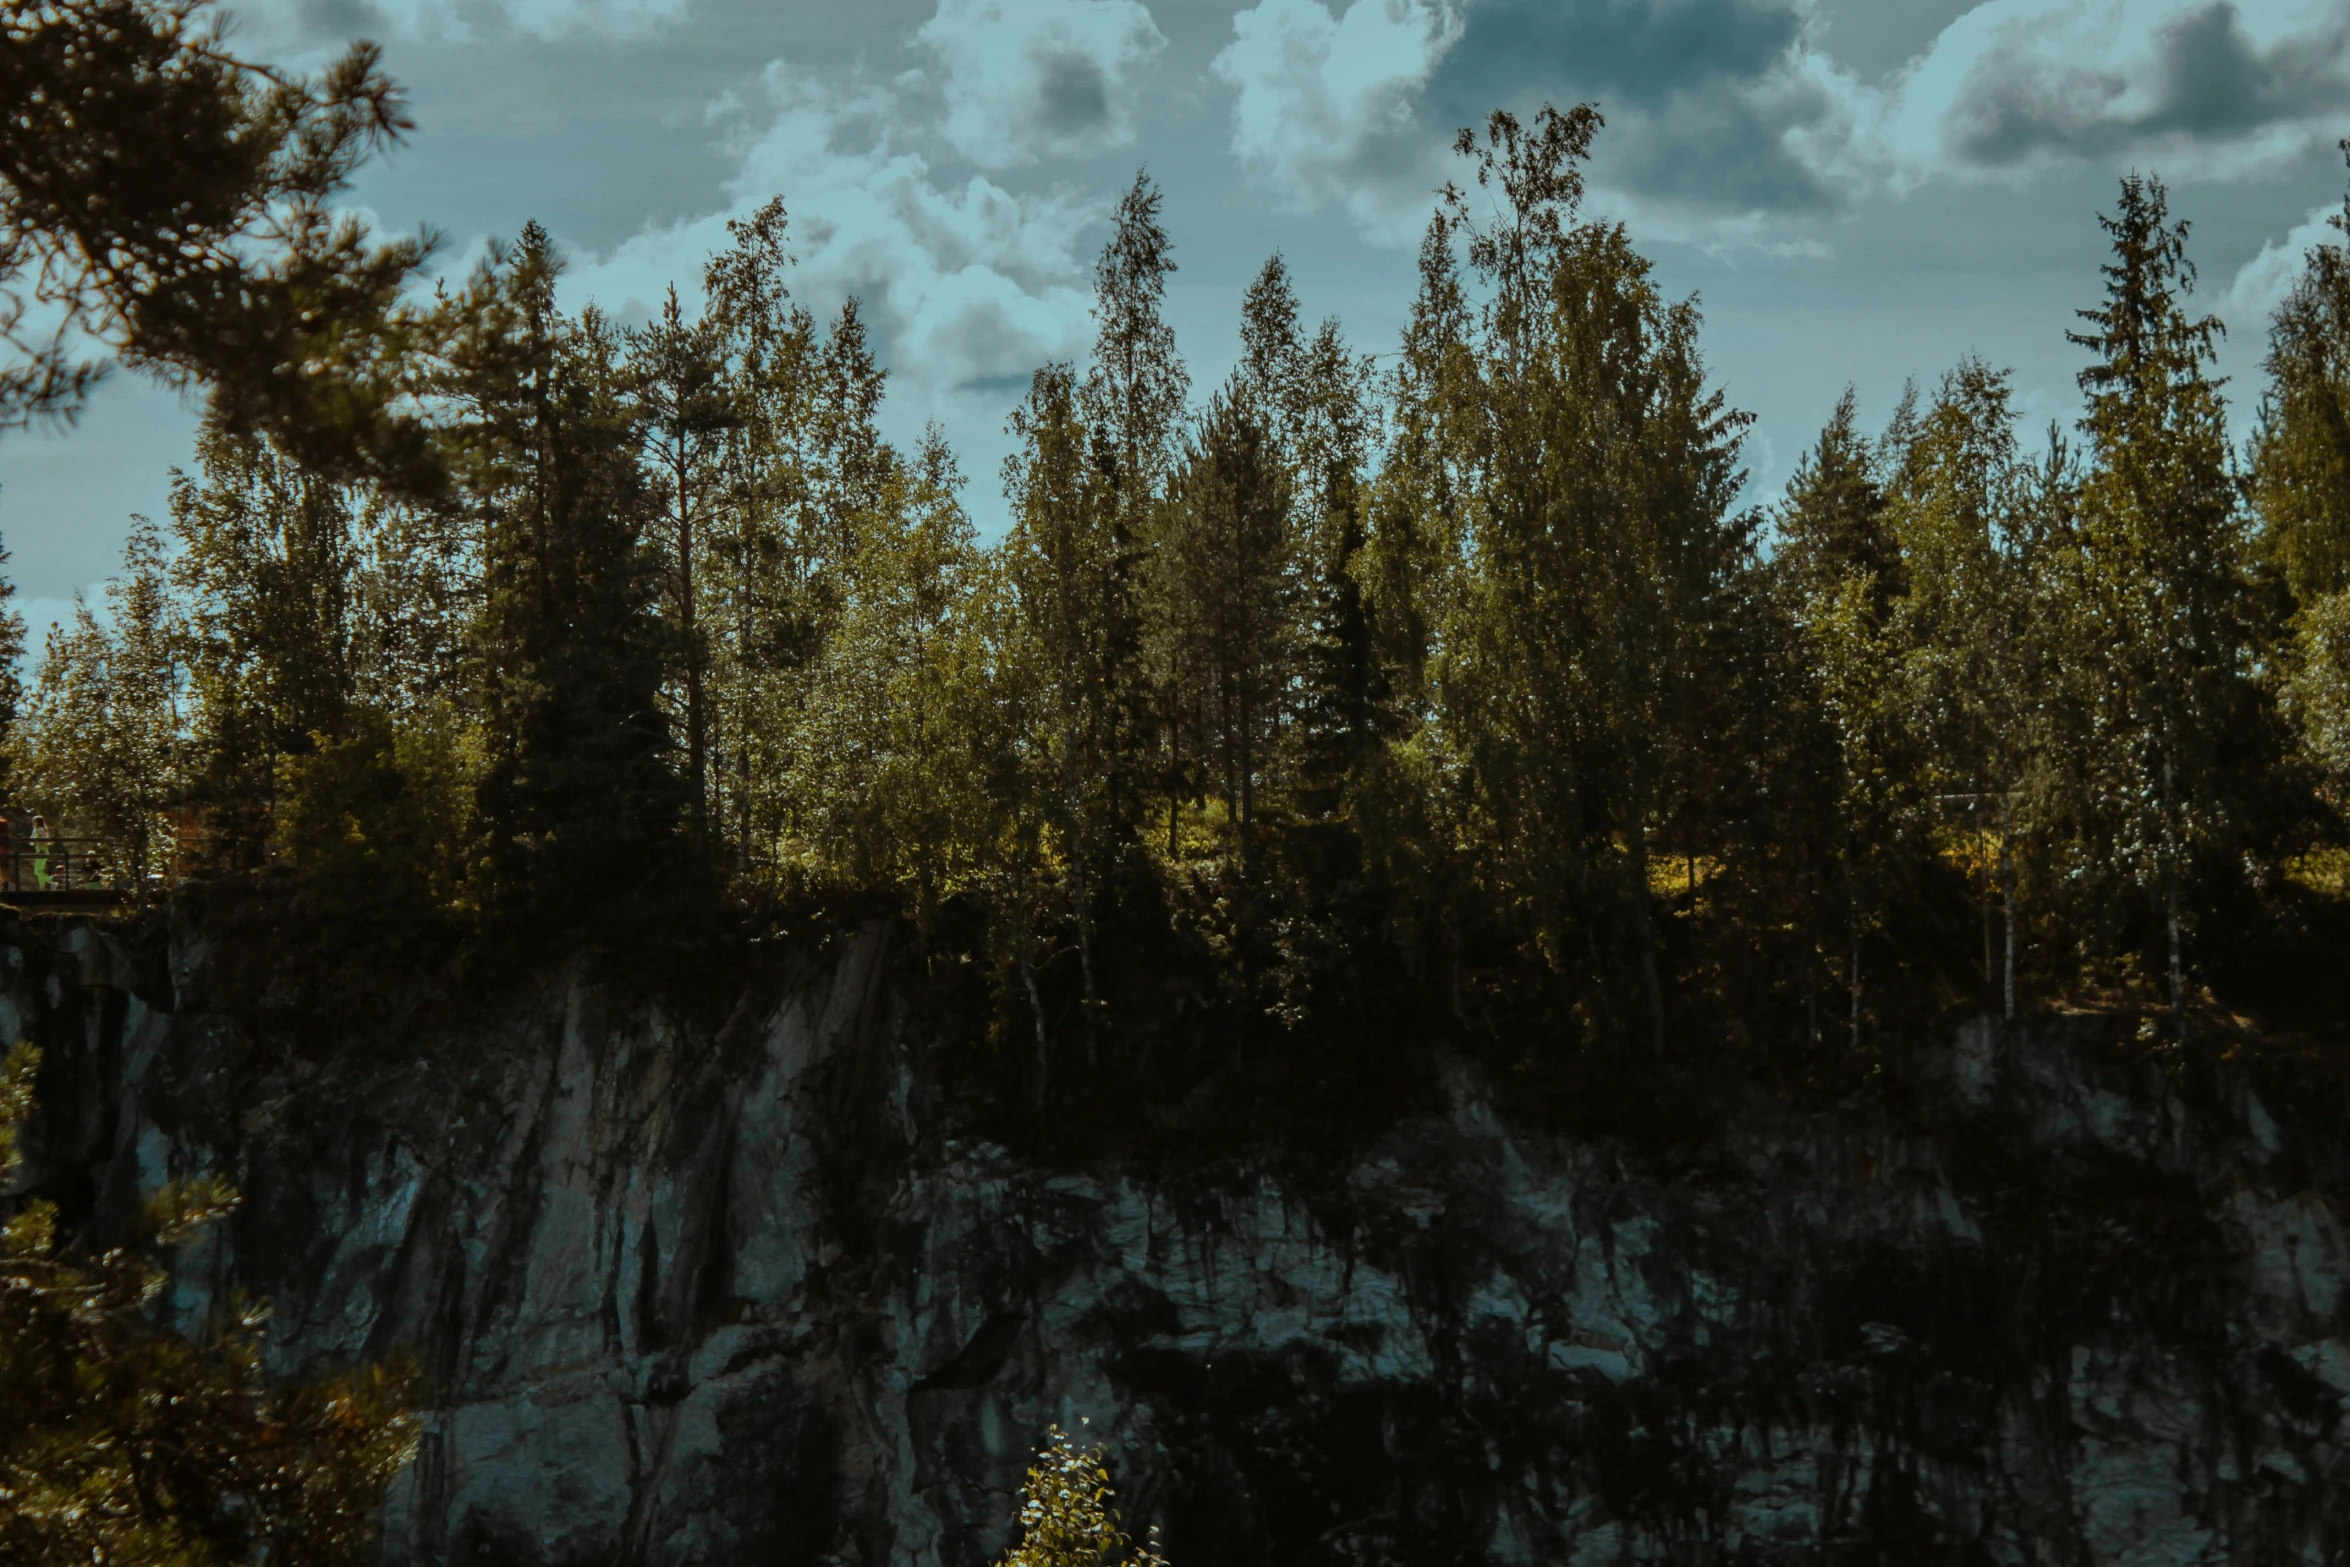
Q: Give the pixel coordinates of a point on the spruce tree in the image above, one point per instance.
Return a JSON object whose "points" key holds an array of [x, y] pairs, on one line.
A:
{"points": [[680, 380], [579, 805], [1832, 523], [1342, 692], [2159, 634], [1422, 483], [1271, 371], [1315, 399]]}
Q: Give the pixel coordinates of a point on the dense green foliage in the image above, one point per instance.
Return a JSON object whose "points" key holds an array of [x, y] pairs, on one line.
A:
{"points": [[1465, 699]]}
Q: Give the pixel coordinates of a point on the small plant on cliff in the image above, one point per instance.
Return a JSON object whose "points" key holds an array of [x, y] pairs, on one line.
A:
{"points": [[1068, 1516], [122, 1442]]}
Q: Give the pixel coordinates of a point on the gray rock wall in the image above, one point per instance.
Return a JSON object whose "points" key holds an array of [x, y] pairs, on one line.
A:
{"points": [[736, 1296]]}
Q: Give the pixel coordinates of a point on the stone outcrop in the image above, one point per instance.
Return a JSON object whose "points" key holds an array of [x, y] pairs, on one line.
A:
{"points": [[741, 1295]]}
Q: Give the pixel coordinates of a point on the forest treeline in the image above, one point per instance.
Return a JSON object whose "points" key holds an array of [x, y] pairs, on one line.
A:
{"points": [[1455, 684], [1452, 696]]}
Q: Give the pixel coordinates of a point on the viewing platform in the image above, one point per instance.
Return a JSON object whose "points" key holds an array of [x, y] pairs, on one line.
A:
{"points": [[67, 873]]}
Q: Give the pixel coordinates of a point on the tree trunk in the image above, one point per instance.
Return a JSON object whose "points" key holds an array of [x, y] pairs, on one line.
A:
{"points": [[1081, 898], [1990, 968], [696, 736], [1248, 758], [1035, 1001], [1644, 924], [2170, 889], [742, 741], [1852, 959], [2007, 890]]}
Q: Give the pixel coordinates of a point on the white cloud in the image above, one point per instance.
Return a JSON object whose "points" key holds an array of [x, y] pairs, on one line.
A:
{"points": [[460, 21], [1327, 108], [2014, 86], [2261, 284], [1334, 108], [965, 286], [615, 18], [1031, 78], [1730, 237]]}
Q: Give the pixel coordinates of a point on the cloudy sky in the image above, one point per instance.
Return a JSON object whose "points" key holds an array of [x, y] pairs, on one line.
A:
{"points": [[1860, 190]]}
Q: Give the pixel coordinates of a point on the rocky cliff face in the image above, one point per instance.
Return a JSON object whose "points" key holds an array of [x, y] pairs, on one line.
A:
{"points": [[731, 1295]]}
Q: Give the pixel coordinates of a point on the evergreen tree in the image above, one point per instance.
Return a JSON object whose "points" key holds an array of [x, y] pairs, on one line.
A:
{"points": [[579, 806], [1416, 522], [1315, 399], [1832, 524], [1135, 392], [680, 379], [1839, 572], [1271, 374], [2158, 636], [1341, 694], [857, 464]]}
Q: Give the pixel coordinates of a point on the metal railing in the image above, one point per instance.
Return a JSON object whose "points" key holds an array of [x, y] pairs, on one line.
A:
{"points": [[77, 868]]}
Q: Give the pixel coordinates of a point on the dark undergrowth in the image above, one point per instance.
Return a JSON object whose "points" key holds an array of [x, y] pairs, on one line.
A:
{"points": [[1211, 1030]]}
